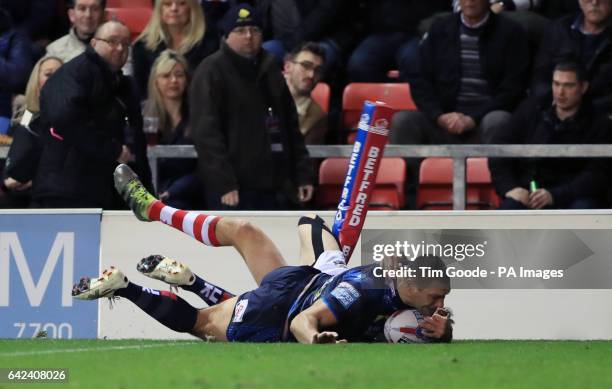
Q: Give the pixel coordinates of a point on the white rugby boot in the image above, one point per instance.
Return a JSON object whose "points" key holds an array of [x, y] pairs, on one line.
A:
{"points": [[165, 269], [105, 286]]}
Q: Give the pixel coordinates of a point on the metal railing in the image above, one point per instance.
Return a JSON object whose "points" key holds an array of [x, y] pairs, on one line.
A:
{"points": [[459, 154]]}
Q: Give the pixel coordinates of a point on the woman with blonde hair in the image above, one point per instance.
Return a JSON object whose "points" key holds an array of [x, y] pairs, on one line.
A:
{"points": [[167, 107], [23, 156], [177, 25]]}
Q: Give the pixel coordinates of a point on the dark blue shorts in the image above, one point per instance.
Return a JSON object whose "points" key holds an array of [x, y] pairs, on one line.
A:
{"points": [[260, 315]]}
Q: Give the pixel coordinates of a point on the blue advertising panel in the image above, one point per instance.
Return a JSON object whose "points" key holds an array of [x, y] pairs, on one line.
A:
{"points": [[41, 256]]}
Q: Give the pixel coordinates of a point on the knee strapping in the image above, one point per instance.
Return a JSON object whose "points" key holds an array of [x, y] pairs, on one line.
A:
{"points": [[316, 236]]}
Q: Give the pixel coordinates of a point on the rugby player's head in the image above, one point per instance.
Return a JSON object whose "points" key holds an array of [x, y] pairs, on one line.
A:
{"points": [[427, 286]]}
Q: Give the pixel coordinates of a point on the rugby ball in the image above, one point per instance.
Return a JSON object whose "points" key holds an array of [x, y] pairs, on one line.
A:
{"points": [[403, 327]]}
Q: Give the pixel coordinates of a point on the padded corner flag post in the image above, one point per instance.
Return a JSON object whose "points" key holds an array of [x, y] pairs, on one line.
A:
{"points": [[365, 160]]}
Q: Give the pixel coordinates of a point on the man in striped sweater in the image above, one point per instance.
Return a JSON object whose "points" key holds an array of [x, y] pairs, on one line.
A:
{"points": [[472, 73]]}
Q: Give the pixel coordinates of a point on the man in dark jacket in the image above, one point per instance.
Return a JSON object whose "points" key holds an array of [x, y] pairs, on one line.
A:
{"points": [[291, 22], [96, 123], [245, 126], [392, 37], [546, 182], [584, 37], [471, 74]]}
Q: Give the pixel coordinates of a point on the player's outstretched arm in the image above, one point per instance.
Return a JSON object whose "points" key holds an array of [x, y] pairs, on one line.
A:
{"points": [[306, 327]]}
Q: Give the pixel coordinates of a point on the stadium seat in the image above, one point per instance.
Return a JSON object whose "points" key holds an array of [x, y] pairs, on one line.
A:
{"points": [[129, 4], [479, 182], [321, 94], [396, 95], [135, 19], [388, 193], [435, 191]]}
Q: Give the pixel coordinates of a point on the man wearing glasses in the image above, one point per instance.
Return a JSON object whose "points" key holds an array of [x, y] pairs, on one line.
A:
{"points": [[251, 154], [95, 123], [303, 70]]}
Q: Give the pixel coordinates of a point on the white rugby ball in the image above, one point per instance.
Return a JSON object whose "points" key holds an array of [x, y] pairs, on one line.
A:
{"points": [[403, 327]]}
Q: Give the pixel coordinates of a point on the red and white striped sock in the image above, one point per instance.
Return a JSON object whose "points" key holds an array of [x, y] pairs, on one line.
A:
{"points": [[195, 224]]}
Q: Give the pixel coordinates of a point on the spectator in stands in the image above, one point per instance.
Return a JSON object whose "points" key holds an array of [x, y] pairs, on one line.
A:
{"points": [[34, 18], [561, 183], [246, 132], [24, 153], [95, 123], [303, 69], [472, 73], [177, 25], [15, 66], [291, 22], [85, 16], [524, 12], [393, 38], [583, 37], [167, 103]]}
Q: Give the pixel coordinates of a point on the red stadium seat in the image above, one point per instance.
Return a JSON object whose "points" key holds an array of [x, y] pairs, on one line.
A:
{"points": [[396, 95], [321, 94], [388, 193], [479, 181], [436, 185], [129, 4], [135, 19]]}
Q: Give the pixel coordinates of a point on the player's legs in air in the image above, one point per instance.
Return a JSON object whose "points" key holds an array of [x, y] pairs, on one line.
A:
{"points": [[315, 239], [259, 253]]}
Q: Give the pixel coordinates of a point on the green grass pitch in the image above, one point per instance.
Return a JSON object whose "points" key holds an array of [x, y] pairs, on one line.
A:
{"points": [[465, 364]]}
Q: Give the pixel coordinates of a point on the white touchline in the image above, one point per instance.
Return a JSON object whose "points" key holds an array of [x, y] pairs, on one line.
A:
{"points": [[108, 348]]}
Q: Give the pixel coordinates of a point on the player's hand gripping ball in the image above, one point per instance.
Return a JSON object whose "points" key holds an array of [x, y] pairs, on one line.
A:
{"points": [[403, 327]]}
